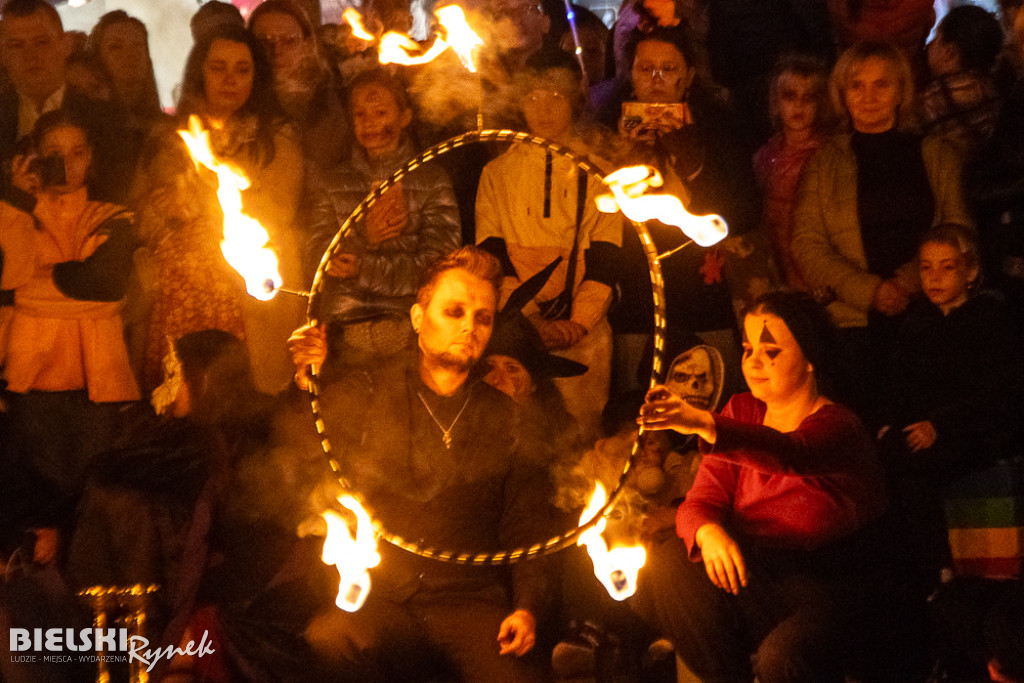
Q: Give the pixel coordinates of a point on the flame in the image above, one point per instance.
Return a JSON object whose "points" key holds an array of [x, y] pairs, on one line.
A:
{"points": [[245, 241], [395, 48], [353, 556], [398, 48], [629, 194], [617, 568], [460, 36], [355, 20]]}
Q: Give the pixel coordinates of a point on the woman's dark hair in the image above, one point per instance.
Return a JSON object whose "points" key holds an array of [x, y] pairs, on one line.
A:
{"points": [[975, 33], [262, 103], [284, 7], [677, 36], [811, 326], [58, 118], [216, 369], [150, 102]]}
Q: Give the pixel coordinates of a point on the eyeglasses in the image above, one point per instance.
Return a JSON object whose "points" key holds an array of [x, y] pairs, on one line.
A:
{"points": [[667, 73], [282, 42]]}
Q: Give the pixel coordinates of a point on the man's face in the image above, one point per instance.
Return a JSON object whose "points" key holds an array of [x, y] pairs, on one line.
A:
{"points": [[455, 325], [519, 24], [34, 50]]}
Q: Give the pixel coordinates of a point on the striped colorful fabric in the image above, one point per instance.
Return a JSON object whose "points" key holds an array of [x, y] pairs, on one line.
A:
{"points": [[985, 517]]}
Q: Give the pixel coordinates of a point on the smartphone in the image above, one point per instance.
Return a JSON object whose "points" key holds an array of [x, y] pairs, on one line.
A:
{"points": [[651, 116], [50, 169]]}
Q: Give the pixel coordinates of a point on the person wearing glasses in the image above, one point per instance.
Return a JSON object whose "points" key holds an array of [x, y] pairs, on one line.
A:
{"points": [[668, 118], [307, 88]]}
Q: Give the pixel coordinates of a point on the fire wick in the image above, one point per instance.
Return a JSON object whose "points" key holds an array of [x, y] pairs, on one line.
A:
{"points": [[270, 287], [668, 253]]}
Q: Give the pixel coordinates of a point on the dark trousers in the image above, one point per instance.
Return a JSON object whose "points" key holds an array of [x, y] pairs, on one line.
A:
{"points": [[431, 636], [804, 616], [54, 436]]}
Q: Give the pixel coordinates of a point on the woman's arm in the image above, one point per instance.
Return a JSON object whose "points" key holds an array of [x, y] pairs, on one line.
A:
{"points": [[813, 246], [818, 446]]}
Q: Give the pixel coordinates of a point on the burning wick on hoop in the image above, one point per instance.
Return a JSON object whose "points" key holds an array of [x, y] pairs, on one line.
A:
{"points": [[630, 194], [271, 288]]}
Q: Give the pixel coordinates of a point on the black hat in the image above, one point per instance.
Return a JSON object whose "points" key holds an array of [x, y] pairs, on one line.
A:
{"points": [[516, 338]]}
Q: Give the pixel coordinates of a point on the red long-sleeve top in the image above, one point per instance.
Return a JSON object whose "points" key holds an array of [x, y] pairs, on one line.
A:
{"points": [[795, 490]]}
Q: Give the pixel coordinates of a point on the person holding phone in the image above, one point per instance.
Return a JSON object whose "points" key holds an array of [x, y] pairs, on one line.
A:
{"points": [[668, 118], [66, 362], [372, 279]]}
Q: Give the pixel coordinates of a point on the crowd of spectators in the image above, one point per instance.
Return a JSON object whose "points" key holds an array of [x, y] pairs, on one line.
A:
{"points": [[151, 428]]}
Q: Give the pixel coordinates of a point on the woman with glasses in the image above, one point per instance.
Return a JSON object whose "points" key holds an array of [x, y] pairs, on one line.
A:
{"points": [[668, 118], [307, 87]]}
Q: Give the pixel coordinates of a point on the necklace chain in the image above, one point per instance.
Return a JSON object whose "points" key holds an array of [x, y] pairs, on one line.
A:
{"points": [[446, 434]]}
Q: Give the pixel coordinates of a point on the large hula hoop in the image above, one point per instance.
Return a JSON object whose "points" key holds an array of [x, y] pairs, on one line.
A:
{"points": [[555, 543]]}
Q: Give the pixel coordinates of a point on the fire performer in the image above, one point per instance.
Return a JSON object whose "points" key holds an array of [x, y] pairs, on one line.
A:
{"points": [[440, 457], [784, 514]]}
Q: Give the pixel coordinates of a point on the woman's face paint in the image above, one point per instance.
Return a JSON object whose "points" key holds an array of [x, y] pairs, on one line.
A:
{"points": [[774, 365], [769, 342]]}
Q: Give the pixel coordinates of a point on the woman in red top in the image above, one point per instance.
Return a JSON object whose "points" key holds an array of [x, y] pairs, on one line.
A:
{"points": [[780, 513]]}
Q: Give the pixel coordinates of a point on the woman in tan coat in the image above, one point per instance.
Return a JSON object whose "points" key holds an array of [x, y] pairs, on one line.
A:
{"points": [[863, 202]]}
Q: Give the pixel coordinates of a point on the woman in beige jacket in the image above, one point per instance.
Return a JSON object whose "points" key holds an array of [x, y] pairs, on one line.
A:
{"points": [[863, 202]]}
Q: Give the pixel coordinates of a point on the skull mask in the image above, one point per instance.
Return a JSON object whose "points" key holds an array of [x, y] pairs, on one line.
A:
{"points": [[694, 376]]}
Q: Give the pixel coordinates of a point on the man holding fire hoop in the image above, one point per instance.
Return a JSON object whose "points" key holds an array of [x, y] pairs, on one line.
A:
{"points": [[439, 457]]}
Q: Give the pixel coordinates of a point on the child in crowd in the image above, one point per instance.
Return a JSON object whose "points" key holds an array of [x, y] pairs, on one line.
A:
{"points": [[800, 114], [373, 277], [66, 270], [961, 102], [956, 386], [533, 207]]}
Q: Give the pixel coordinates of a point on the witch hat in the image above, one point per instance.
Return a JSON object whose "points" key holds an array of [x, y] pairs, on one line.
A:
{"points": [[514, 336]]}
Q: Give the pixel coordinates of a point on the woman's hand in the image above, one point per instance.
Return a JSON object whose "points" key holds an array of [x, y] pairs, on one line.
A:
{"points": [[308, 347], [920, 436], [22, 177], [664, 410], [890, 298], [723, 560], [518, 633]]}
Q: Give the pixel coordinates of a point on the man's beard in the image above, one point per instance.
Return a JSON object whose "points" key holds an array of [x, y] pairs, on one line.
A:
{"points": [[455, 363]]}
